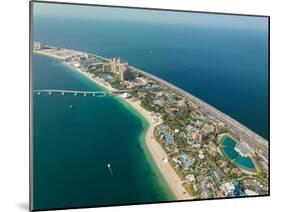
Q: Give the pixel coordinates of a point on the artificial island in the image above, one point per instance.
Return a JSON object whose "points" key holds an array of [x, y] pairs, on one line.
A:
{"points": [[201, 152]]}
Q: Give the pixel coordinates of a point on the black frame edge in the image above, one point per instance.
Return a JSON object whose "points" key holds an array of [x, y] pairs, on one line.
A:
{"points": [[31, 208], [30, 108]]}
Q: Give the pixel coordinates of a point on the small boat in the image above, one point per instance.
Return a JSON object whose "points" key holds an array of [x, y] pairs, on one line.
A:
{"points": [[70, 106]]}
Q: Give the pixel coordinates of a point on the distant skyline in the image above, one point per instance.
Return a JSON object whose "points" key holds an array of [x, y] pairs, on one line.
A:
{"points": [[149, 16]]}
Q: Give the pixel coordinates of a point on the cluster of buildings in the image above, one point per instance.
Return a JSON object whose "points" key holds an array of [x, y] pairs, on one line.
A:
{"points": [[93, 64], [167, 138], [121, 69], [135, 83], [232, 189], [37, 46], [191, 137], [198, 161]]}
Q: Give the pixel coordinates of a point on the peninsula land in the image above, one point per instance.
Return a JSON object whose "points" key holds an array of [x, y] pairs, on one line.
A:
{"points": [[201, 152]]}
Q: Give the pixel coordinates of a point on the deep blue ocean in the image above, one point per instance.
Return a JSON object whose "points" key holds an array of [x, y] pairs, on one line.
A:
{"points": [[226, 67]]}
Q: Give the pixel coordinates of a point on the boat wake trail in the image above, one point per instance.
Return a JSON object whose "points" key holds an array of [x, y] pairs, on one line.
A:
{"points": [[110, 170]]}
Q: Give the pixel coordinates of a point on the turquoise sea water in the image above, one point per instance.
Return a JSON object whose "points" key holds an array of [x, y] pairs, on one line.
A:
{"points": [[72, 147], [229, 149], [225, 66]]}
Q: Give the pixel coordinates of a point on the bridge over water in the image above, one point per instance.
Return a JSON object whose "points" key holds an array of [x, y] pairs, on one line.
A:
{"points": [[76, 92]]}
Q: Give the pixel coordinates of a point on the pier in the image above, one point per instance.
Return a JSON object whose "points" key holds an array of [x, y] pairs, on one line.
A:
{"points": [[77, 92], [255, 141]]}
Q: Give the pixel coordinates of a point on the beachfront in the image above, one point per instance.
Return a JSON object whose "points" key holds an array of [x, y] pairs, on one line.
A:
{"points": [[153, 146], [184, 169], [159, 155]]}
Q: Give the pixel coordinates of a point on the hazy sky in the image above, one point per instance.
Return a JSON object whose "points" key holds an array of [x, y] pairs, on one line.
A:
{"points": [[138, 15]]}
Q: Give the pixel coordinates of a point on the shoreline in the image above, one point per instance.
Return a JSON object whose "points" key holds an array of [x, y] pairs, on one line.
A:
{"points": [[159, 155], [154, 148]]}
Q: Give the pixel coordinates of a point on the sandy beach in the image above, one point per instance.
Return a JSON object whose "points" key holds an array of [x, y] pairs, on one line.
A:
{"points": [[159, 155], [155, 149], [48, 54]]}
